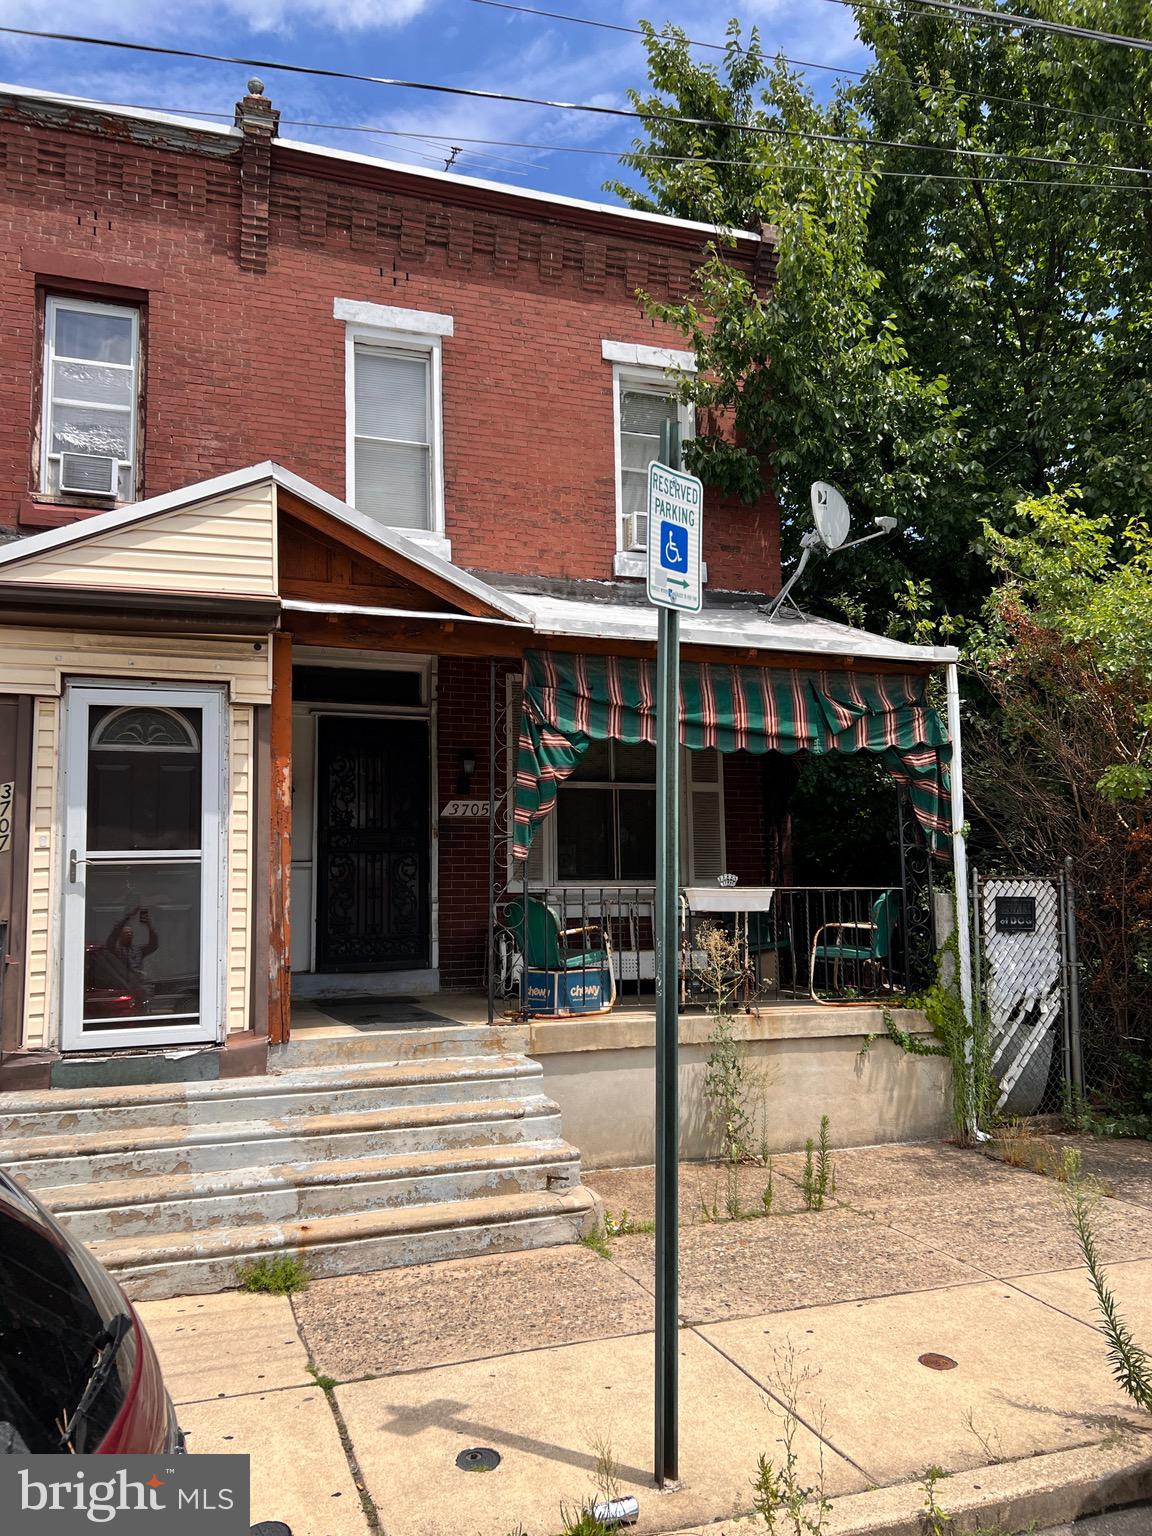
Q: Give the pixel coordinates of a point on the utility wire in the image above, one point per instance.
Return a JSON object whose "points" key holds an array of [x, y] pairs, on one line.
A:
{"points": [[693, 42], [434, 139], [834, 69], [668, 118], [943, 9]]}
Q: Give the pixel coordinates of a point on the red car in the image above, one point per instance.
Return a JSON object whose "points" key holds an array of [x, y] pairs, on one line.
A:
{"points": [[77, 1371]]}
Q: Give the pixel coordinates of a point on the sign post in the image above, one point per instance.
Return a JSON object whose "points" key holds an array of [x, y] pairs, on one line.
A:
{"points": [[675, 519]]}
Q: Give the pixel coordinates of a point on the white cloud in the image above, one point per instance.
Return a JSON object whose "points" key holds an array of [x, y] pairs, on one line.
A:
{"points": [[143, 18]]}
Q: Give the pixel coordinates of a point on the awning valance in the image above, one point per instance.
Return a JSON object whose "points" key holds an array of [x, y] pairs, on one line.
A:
{"points": [[570, 700]]}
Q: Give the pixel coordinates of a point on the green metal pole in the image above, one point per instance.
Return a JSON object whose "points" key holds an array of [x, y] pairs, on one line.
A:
{"points": [[667, 925]]}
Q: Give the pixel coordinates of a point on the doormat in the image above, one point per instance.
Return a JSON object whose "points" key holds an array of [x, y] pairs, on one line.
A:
{"points": [[382, 1013]]}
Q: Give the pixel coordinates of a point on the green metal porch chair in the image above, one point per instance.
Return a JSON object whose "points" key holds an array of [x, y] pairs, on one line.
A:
{"points": [[768, 936], [546, 941], [871, 944]]}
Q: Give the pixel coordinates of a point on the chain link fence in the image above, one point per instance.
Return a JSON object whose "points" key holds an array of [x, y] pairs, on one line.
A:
{"points": [[1026, 968]]}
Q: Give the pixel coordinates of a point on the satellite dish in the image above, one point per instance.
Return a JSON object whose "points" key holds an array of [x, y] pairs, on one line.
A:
{"points": [[830, 514]]}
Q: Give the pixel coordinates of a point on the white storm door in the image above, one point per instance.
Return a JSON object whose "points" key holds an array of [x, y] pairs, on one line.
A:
{"points": [[143, 864]]}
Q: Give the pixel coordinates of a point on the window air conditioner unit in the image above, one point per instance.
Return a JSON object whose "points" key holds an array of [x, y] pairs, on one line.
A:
{"points": [[92, 474], [636, 530]]}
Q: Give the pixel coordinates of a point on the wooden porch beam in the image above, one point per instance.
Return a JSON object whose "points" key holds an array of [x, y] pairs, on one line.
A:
{"points": [[280, 845], [445, 638]]}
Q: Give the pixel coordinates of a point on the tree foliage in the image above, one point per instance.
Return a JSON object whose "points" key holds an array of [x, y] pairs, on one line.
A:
{"points": [[1059, 758], [951, 332]]}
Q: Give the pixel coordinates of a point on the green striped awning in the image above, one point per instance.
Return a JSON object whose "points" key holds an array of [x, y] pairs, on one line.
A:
{"points": [[570, 700]]}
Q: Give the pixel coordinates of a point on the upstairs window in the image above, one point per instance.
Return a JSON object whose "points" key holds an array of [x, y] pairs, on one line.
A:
{"points": [[644, 411], [88, 430], [394, 440], [644, 398]]}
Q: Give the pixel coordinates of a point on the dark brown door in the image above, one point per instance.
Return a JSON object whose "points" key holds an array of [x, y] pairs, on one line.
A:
{"points": [[372, 800]]}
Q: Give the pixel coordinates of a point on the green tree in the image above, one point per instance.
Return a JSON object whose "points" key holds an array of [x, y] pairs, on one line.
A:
{"points": [[815, 376], [1059, 758], [951, 331]]}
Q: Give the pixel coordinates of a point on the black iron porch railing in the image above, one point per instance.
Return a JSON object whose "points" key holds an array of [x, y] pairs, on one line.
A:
{"points": [[581, 949]]}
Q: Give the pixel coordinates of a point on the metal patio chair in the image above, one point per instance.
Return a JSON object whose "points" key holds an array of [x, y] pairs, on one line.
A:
{"points": [[550, 946], [858, 943]]}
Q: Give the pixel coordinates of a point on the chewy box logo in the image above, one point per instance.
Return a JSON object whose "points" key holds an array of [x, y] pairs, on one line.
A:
{"points": [[61, 1495]]}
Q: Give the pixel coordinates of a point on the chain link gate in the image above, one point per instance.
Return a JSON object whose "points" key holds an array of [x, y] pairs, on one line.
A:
{"points": [[1026, 972]]}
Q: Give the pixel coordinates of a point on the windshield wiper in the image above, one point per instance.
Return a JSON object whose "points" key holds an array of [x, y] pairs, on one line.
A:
{"points": [[108, 1344]]}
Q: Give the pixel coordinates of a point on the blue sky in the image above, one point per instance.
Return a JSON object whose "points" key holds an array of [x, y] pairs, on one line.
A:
{"points": [[452, 41]]}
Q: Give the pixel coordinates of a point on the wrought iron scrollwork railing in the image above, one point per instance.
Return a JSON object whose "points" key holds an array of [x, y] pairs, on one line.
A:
{"points": [[834, 943]]}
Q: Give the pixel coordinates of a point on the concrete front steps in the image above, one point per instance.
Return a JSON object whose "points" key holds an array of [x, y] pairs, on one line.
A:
{"points": [[353, 1166]]}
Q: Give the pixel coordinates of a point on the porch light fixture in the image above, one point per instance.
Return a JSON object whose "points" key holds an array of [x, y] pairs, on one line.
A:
{"points": [[467, 769], [833, 520]]}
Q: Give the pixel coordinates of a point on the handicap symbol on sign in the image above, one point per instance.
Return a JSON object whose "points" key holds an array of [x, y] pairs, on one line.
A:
{"points": [[673, 547]]}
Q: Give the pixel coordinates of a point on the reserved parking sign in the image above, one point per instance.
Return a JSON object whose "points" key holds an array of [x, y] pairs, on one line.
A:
{"points": [[675, 535]]}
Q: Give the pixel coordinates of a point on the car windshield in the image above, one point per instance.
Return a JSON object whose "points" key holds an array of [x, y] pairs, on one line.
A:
{"points": [[54, 1323]]}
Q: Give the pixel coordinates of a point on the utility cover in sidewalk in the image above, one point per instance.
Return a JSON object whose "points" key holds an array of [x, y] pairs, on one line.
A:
{"points": [[481, 1458]]}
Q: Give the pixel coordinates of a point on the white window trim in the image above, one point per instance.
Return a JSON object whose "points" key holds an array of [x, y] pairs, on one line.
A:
{"points": [[414, 338], [417, 322], [656, 381], [648, 357], [55, 302]]}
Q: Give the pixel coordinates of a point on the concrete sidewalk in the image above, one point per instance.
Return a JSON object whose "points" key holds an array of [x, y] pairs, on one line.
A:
{"points": [[546, 1358]]}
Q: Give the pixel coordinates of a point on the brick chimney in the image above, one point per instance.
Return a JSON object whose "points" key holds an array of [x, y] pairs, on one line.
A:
{"points": [[259, 123]]}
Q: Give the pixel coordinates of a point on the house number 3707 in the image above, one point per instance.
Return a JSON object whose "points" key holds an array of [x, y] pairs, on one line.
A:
{"points": [[6, 793]]}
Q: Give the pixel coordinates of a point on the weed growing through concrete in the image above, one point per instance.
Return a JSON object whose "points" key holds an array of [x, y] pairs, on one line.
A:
{"points": [[281, 1275], [597, 1241], [818, 1168], [787, 1506], [935, 1519], [625, 1225], [991, 1444], [325, 1383], [1130, 1364]]}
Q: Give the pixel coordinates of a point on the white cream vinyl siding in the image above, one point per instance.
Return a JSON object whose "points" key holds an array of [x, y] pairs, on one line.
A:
{"points": [[43, 875], [37, 660], [238, 920], [225, 545]]}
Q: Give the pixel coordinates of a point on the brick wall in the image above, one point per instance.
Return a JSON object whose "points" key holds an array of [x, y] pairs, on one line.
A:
{"points": [[744, 847], [245, 364], [462, 714]]}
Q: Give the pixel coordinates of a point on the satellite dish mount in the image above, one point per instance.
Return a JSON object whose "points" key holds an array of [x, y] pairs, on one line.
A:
{"points": [[833, 523]]}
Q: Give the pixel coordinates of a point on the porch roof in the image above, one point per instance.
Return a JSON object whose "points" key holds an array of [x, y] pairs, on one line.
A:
{"points": [[734, 628]]}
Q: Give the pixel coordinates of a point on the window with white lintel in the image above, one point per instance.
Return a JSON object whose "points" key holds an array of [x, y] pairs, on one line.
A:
{"points": [[394, 450], [643, 398]]}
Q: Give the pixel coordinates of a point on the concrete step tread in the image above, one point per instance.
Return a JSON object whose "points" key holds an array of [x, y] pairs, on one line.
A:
{"points": [[250, 1241], [25, 1149], [154, 1189], [286, 1080]]}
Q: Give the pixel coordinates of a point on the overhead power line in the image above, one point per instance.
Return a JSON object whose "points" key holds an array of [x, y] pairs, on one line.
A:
{"points": [[672, 119], [834, 69], [1013, 20], [616, 26]]}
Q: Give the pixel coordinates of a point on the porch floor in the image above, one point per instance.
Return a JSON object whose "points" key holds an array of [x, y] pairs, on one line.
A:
{"points": [[329, 1020]]}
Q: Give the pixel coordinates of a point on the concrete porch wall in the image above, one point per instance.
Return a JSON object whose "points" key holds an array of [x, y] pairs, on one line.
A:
{"points": [[810, 1061]]}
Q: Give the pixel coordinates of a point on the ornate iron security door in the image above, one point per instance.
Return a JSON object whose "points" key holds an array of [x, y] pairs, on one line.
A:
{"points": [[373, 832]]}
